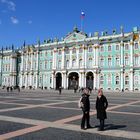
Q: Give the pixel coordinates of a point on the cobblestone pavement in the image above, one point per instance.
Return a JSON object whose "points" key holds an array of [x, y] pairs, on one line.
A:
{"points": [[46, 115]]}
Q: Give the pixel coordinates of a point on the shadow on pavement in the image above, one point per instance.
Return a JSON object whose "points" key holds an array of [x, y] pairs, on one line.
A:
{"points": [[112, 126]]}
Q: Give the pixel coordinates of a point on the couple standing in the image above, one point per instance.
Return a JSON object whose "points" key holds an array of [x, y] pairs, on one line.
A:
{"points": [[101, 106]]}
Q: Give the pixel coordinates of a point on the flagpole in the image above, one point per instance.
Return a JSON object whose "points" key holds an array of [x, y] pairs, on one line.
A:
{"points": [[82, 20], [81, 24]]}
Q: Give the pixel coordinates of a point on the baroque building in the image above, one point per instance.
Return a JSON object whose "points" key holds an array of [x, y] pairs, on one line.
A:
{"points": [[110, 62]]}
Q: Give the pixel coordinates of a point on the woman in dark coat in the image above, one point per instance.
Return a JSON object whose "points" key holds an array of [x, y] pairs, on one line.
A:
{"points": [[101, 106]]}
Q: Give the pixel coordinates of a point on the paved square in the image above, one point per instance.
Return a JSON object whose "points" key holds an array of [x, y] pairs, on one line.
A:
{"points": [[41, 115]]}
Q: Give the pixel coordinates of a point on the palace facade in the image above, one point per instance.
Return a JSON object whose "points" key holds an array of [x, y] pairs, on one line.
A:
{"points": [[110, 62]]}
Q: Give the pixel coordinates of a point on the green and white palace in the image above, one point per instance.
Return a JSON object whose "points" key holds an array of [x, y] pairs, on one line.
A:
{"points": [[107, 61]]}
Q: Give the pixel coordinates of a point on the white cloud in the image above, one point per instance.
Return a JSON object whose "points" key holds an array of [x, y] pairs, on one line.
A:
{"points": [[14, 20], [10, 4], [30, 22]]}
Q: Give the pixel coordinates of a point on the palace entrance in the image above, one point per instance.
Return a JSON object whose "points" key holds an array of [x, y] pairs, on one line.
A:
{"points": [[58, 80], [89, 80], [73, 80]]}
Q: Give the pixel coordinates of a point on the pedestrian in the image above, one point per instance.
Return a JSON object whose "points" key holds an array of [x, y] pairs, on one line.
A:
{"points": [[75, 89], [18, 89], [8, 89], [60, 89], [101, 106], [85, 105]]}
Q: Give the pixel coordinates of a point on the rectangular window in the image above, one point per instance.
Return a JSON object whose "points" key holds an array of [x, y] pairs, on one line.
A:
{"points": [[102, 48], [126, 61], [117, 47], [136, 80], [117, 61], [136, 62], [109, 48], [136, 46], [126, 47], [109, 62], [101, 61]]}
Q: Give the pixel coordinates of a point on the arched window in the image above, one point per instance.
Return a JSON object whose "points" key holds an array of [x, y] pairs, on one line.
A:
{"points": [[101, 61], [117, 80], [34, 79], [136, 46], [90, 62], [59, 64], [126, 47], [126, 60], [74, 50], [102, 48], [73, 63], [40, 65], [67, 64], [109, 48], [109, 80], [136, 60], [101, 80], [136, 80], [117, 47], [59, 52], [45, 64], [90, 49], [80, 50], [67, 50], [117, 61], [109, 61], [80, 63], [126, 80]]}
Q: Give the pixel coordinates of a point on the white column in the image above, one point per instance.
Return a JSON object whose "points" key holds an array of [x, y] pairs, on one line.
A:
{"points": [[131, 53], [97, 55], [122, 80], [11, 64], [98, 81], [84, 79], [32, 61], [85, 57], [122, 55], [22, 66], [67, 81], [21, 80], [37, 60], [64, 81], [94, 53], [52, 84], [54, 59], [26, 81], [95, 80], [70, 61], [63, 59], [36, 86], [77, 57], [131, 79], [80, 79]]}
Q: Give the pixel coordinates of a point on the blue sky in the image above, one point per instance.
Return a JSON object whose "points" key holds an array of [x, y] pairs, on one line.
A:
{"points": [[31, 20]]}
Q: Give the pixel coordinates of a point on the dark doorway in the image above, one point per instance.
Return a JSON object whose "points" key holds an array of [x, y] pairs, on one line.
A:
{"points": [[89, 80], [58, 80], [73, 80]]}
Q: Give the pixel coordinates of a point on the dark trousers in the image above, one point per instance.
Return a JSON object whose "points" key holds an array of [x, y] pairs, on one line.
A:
{"points": [[85, 118], [102, 124]]}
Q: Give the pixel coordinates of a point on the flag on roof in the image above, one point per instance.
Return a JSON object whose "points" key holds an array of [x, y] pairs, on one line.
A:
{"points": [[82, 15]]}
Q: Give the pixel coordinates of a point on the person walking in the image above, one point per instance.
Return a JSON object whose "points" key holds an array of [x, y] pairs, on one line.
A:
{"points": [[60, 89], [85, 105], [101, 106]]}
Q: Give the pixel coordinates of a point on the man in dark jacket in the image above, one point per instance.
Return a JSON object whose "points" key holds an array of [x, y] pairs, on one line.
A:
{"points": [[85, 108], [101, 106]]}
